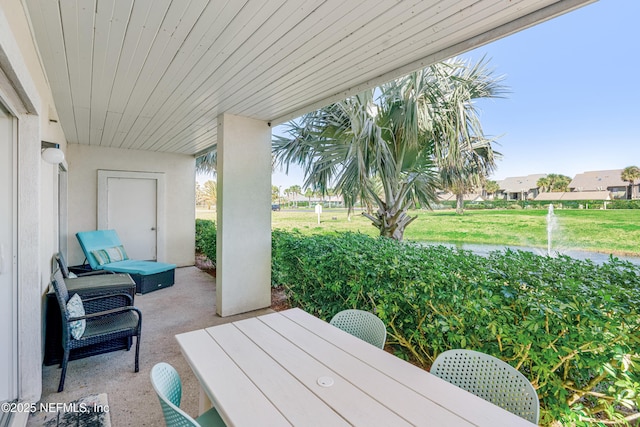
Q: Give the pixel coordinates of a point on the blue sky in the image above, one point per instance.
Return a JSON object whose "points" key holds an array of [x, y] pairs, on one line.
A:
{"points": [[574, 101]]}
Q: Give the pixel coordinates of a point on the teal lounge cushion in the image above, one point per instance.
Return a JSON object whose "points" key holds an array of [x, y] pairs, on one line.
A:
{"points": [[95, 240], [104, 251], [143, 268], [75, 308]]}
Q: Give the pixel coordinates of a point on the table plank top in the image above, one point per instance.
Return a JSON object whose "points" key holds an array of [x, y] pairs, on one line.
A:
{"points": [[291, 368]]}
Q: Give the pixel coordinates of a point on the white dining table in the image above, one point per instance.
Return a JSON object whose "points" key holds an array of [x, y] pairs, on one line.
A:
{"points": [[291, 368]]}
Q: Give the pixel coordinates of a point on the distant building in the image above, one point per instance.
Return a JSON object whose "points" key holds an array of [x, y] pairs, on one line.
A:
{"points": [[608, 180], [519, 187], [450, 197], [575, 195]]}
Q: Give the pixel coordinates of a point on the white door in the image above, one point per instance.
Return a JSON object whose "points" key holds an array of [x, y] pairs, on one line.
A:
{"points": [[132, 208], [132, 203], [8, 288]]}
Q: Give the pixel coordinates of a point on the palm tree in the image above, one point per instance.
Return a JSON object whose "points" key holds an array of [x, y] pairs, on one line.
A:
{"points": [[207, 162], [308, 193], [293, 191], [630, 174], [209, 193], [199, 195], [469, 172], [397, 136], [558, 182], [543, 184], [491, 187], [463, 155]]}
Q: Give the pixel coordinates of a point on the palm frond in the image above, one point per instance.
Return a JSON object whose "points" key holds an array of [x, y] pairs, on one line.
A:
{"points": [[393, 145]]}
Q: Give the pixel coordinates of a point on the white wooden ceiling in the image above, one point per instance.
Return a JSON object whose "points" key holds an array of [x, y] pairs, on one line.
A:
{"points": [[155, 74]]}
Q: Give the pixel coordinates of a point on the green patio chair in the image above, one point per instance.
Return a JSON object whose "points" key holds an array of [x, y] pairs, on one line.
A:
{"points": [[489, 378], [362, 324], [166, 382]]}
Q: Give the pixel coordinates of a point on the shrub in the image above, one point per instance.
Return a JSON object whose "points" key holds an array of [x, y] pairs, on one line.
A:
{"points": [[570, 326], [206, 238], [624, 204]]}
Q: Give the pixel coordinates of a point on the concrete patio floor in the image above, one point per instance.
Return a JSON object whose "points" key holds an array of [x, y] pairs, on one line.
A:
{"points": [[188, 305]]}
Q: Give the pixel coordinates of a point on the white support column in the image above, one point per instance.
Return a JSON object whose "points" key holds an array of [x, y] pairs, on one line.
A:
{"points": [[243, 265]]}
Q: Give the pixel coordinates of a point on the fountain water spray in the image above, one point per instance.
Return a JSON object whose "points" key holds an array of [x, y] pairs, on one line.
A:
{"points": [[551, 218]]}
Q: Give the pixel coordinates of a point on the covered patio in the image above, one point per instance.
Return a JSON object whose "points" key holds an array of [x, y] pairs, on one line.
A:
{"points": [[131, 399], [133, 91]]}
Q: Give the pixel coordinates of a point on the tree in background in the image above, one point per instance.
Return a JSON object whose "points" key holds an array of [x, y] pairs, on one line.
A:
{"points": [[558, 182], [199, 196], [491, 187], [543, 184], [464, 156], [399, 135], [308, 193], [293, 193], [630, 174], [207, 162], [554, 182], [207, 194], [468, 172]]}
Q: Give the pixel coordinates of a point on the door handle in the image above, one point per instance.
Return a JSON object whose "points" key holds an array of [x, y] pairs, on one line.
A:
{"points": [[153, 228], [1, 259]]}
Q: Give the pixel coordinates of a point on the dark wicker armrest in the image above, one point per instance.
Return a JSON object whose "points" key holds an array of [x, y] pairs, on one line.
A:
{"points": [[94, 273], [108, 313], [99, 297]]}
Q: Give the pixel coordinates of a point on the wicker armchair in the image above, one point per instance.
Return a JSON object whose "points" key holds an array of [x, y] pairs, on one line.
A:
{"points": [[362, 324], [101, 326]]}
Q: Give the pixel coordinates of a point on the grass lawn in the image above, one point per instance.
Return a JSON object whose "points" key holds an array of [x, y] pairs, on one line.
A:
{"points": [[608, 231]]}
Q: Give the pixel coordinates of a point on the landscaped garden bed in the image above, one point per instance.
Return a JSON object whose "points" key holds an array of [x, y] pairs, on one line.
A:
{"points": [[572, 327]]}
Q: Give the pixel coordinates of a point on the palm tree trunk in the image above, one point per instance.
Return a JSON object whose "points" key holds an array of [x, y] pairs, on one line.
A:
{"points": [[390, 224], [459, 204]]}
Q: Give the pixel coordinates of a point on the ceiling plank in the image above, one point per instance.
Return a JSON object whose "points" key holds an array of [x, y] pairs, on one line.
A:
{"points": [[142, 29], [238, 30], [206, 102], [155, 74], [46, 21], [174, 29], [110, 29], [77, 21]]}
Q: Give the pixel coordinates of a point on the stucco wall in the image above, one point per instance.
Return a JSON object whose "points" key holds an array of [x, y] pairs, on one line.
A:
{"points": [[34, 83], [84, 162], [24, 90]]}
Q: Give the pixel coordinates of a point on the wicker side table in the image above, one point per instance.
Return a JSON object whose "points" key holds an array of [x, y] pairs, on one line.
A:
{"points": [[86, 287]]}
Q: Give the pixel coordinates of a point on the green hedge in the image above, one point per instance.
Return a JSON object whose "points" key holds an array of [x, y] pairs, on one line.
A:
{"points": [[624, 204], [206, 238], [533, 204], [570, 326]]}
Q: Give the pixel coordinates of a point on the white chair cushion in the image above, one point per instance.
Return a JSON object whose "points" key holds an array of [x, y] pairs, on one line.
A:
{"points": [[75, 308]]}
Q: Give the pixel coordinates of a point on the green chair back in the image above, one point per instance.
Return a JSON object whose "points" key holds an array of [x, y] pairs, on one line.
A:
{"points": [[166, 382], [491, 379], [362, 324]]}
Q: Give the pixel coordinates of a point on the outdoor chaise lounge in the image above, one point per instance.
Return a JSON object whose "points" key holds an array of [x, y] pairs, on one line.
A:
{"points": [[104, 251]]}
